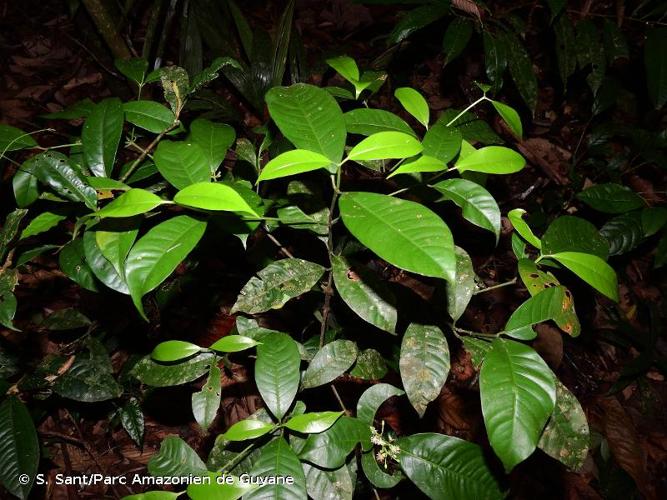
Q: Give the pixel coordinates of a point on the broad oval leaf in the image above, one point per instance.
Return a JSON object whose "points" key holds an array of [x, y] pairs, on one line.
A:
{"points": [[182, 163], [611, 198], [277, 283], [456, 38], [213, 138], [155, 374], [14, 139], [424, 364], [446, 467], [414, 103], [330, 448], [20, 447], [277, 372], [370, 365], [312, 423], [174, 350], [205, 403], [277, 459], [310, 118], [101, 267], [329, 485], [372, 398], [155, 256], [293, 162], [374, 473], [573, 234], [442, 142], [134, 69], [593, 270], [248, 428], [421, 164], [54, 170], [176, 459], [213, 196], [233, 343], [131, 203], [366, 121], [550, 304], [149, 115], [100, 136], [492, 160], [365, 293], [478, 206], [516, 218], [132, 420], [330, 362], [510, 116], [386, 145], [404, 233], [518, 394]]}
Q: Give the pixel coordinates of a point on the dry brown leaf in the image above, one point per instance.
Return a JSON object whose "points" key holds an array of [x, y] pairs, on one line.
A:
{"points": [[550, 158]]}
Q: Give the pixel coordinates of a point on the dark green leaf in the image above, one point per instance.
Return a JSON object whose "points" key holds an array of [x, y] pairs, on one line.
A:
{"points": [[615, 44], [331, 485], [495, 58], [573, 234], [277, 459], [100, 265], [176, 85], [100, 136], [133, 69], [417, 19], [370, 365], [206, 402], [330, 362], [521, 69], [442, 142], [330, 448], [155, 374], [65, 319], [461, 290], [213, 138], [655, 48], [566, 47], [624, 233], [55, 170], [25, 185], [176, 459], [20, 447], [590, 52], [149, 115], [277, 372], [132, 420], [456, 38], [611, 198], [73, 263], [10, 229], [371, 400], [14, 139]]}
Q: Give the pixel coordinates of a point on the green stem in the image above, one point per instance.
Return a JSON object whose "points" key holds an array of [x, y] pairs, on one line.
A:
{"points": [[234, 461], [145, 152], [483, 98], [328, 291]]}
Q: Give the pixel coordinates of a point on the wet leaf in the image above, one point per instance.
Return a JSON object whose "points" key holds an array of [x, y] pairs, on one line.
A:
{"points": [[624, 233], [55, 171]]}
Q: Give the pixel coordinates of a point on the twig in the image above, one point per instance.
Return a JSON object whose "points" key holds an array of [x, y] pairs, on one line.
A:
{"points": [[340, 401], [145, 152], [279, 245], [495, 287]]}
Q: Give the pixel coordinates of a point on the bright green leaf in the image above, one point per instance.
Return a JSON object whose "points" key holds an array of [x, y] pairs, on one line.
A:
{"points": [[149, 115], [182, 163], [277, 372], [593, 270], [132, 202], [516, 218], [312, 423], [386, 145], [414, 103], [492, 160], [293, 162], [213, 196], [174, 350]]}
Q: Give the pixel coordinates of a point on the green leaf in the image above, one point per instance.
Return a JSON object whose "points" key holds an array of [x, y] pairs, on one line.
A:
{"points": [[210, 73], [593, 270], [330, 448], [456, 38], [79, 109], [472, 128], [516, 218], [312, 423], [153, 495], [131, 203], [417, 19], [14, 139], [10, 229], [521, 70], [442, 142], [414, 103], [492, 160], [386, 145], [277, 283], [155, 256], [233, 343], [653, 219], [102, 268], [293, 162], [277, 372], [549, 304], [65, 319], [55, 170], [132, 420], [366, 121], [573, 234], [477, 348], [404, 233], [461, 290], [421, 164], [25, 184], [479, 207], [20, 447], [655, 48], [277, 459], [371, 400], [330, 362], [176, 85], [176, 459], [174, 350], [445, 467], [510, 116], [182, 163], [248, 428], [106, 184], [206, 402], [347, 68], [370, 365], [590, 52], [518, 394], [424, 364], [155, 374], [100, 136], [365, 293], [8, 281], [623, 233], [72, 262], [149, 115], [375, 475], [566, 436], [213, 138], [33, 253], [495, 58], [566, 47], [309, 118], [214, 196], [134, 69], [42, 223], [611, 198], [334, 485], [115, 243]]}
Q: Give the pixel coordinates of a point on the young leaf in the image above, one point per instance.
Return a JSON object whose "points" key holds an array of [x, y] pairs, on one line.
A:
{"points": [[424, 364], [293, 162], [461, 290], [510, 116], [516, 218], [445, 467], [421, 164], [573, 234], [155, 256], [346, 67], [479, 207], [100, 136], [456, 38], [593, 270], [42, 223], [182, 163], [404, 233], [310, 118], [130, 203], [312, 423], [276, 284], [386, 145], [20, 447], [174, 350], [414, 103], [206, 402], [611, 198], [492, 160], [366, 121], [248, 428], [213, 138], [518, 394], [277, 459], [149, 115], [365, 294], [54, 170], [330, 362], [442, 142], [277, 372], [566, 436], [213, 196], [233, 343]]}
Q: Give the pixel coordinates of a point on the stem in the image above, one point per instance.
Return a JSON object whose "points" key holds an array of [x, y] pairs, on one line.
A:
{"points": [[494, 287], [284, 250], [340, 401], [145, 152], [234, 461], [328, 291], [483, 98]]}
